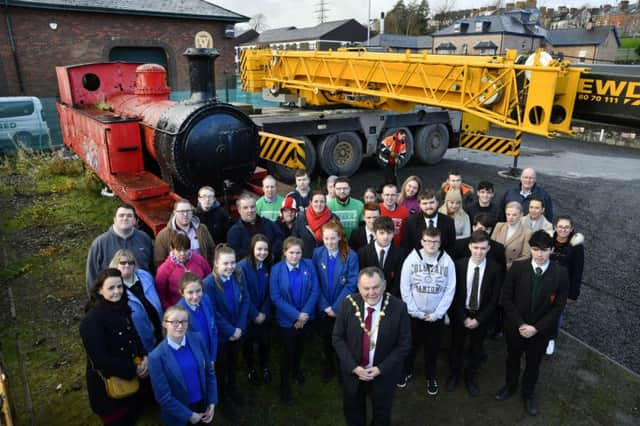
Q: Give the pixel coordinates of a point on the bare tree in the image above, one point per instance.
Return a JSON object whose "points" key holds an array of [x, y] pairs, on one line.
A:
{"points": [[444, 12], [258, 22]]}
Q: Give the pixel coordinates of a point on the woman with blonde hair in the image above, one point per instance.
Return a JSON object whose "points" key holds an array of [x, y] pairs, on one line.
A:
{"points": [[452, 207], [512, 234], [411, 187]]}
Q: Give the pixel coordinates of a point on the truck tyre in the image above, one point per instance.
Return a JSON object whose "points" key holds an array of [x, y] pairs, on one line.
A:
{"points": [[431, 143], [287, 175], [340, 154], [409, 143]]}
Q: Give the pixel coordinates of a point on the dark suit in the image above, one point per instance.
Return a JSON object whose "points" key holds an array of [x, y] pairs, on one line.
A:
{"points": [[496, 253], [392, 346], [358, 238], [489, 293], [412, 233], [516, 299], [367, 256]]}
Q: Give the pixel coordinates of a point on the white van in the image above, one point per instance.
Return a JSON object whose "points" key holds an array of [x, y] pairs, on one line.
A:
{"points": [[22, 124]]}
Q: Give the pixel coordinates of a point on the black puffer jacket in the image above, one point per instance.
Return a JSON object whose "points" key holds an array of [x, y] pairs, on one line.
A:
{"points": [[571, 256]]}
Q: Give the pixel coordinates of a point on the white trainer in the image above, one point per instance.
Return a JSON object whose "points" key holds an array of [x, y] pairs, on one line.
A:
{"points": [[551, 347]]}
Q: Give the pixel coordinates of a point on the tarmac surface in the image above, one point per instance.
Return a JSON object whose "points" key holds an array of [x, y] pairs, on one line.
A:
{"points": [[599, 187]]}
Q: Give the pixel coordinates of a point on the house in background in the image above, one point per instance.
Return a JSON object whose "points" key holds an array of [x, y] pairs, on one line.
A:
{"points": [[491, 35], [586, 45], [400, 43]]}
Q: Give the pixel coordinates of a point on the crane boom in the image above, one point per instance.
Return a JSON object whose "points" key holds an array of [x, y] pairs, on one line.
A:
{"points": [[536, 99]]}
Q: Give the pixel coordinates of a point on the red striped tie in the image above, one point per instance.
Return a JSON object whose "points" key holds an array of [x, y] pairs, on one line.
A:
{"points": [[366, 340]]}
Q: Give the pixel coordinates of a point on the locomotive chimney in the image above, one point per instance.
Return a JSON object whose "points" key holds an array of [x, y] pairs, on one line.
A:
{"points": [[202, 72]]}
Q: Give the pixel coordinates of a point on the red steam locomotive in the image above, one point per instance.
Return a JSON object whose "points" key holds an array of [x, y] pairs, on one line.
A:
{"points": [[118, 118]]}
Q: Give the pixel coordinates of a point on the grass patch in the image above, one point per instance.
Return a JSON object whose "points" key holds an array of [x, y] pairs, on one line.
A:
{"points": [[629, 42]]}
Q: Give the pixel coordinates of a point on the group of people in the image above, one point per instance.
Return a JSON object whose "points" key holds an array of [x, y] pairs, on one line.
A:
{"points": [[375, 280]]}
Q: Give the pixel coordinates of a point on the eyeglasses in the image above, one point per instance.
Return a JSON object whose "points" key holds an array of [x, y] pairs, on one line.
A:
{"points": [[176, 324], [431, 241], [207, 196], [184, 211], [127, 262]]}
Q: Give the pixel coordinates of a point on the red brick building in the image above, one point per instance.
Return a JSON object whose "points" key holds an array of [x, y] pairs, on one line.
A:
{"points": [[37, 35]]}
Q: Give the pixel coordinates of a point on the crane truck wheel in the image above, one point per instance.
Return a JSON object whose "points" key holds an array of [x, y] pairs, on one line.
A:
{"points": [[409, 143], [340, 154], [431, 143], [287, 175]]}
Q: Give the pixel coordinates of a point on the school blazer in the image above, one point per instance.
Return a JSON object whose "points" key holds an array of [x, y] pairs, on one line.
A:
{"points": [[169, 387], [224, 317], [412, 233], [489, 291], [516, 247], [345, 278], [358, 238], [368, 256], [516, 297], [212, 330], [286, 311], [256, 306]]}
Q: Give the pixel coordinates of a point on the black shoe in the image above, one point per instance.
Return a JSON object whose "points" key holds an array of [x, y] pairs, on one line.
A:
{"points": [[404, 380], [531, 405], [266, 376], [452, 382], [299, 378], [253, 377], [432, 387], [505, 392], [472, 387]]}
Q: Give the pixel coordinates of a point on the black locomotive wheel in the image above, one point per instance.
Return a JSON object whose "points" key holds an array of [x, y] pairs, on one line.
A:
{"points": [[340, 154], [287, 175], [431, 143], [409, 143]]}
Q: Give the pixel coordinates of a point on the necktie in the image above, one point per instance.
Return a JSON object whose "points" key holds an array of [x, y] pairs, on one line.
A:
{"points": [[431, 223], [538, 271], [366, 340], [381, 258], [475, 283], [370, 238]]}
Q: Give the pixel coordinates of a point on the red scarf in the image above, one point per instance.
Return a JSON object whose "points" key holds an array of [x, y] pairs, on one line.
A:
{"points": [[315, 221]]}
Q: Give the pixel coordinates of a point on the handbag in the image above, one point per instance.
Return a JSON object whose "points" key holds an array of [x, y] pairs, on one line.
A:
{"points": [[117, 387]]}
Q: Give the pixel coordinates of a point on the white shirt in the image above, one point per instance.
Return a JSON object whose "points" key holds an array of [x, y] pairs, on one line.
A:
{"points": [[177, 346], [369, 235], [470, 271], [434, 219], [386, 251], [374, 320], [544, 267]]}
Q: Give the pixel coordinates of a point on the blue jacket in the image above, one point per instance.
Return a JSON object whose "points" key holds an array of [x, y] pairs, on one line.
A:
{"points": [[513, 194], [251, 280], [224, 318], [194, 325], [239, 238], [286, 311], [168, 383], [345, 278], [141, 321]]}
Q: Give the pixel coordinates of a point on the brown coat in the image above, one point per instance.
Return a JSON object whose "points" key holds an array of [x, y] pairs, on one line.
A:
{"points": [[517, 247], [163, 239]]}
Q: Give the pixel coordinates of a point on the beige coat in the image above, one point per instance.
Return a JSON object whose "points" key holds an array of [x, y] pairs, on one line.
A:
{"points": [[517, 247]]}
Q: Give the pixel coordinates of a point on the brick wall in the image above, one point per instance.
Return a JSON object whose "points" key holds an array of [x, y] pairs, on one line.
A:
{"points": [[89, 37]]}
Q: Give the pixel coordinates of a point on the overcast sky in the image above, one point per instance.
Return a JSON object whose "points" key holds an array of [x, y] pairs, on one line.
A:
{"points": [[300, 13]]}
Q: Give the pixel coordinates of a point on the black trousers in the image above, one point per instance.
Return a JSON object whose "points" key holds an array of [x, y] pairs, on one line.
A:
{"points": [[292, 350], [459, 336], [324, 328], [355, 403], [428, 334], [390, 175], [533, 349], [227, 367], [257, 335]]}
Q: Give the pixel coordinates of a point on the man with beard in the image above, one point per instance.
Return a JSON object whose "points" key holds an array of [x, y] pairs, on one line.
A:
{"points": [[372, 336], [428, 217], [348, 209], [250, 224]]}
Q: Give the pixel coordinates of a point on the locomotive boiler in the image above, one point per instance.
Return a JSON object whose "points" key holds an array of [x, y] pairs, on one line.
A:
{"points": [[118, 118]]}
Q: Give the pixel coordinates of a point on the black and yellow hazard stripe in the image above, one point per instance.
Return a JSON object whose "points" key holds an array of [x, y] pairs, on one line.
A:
{"points": [[488, 143], [283, 150]]}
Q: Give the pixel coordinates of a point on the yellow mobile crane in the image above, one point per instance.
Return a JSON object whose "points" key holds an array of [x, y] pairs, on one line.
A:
{"points": [[536, 96]]}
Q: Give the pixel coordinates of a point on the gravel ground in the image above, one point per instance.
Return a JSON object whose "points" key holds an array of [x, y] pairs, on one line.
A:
{"points": [[606, 313]]}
